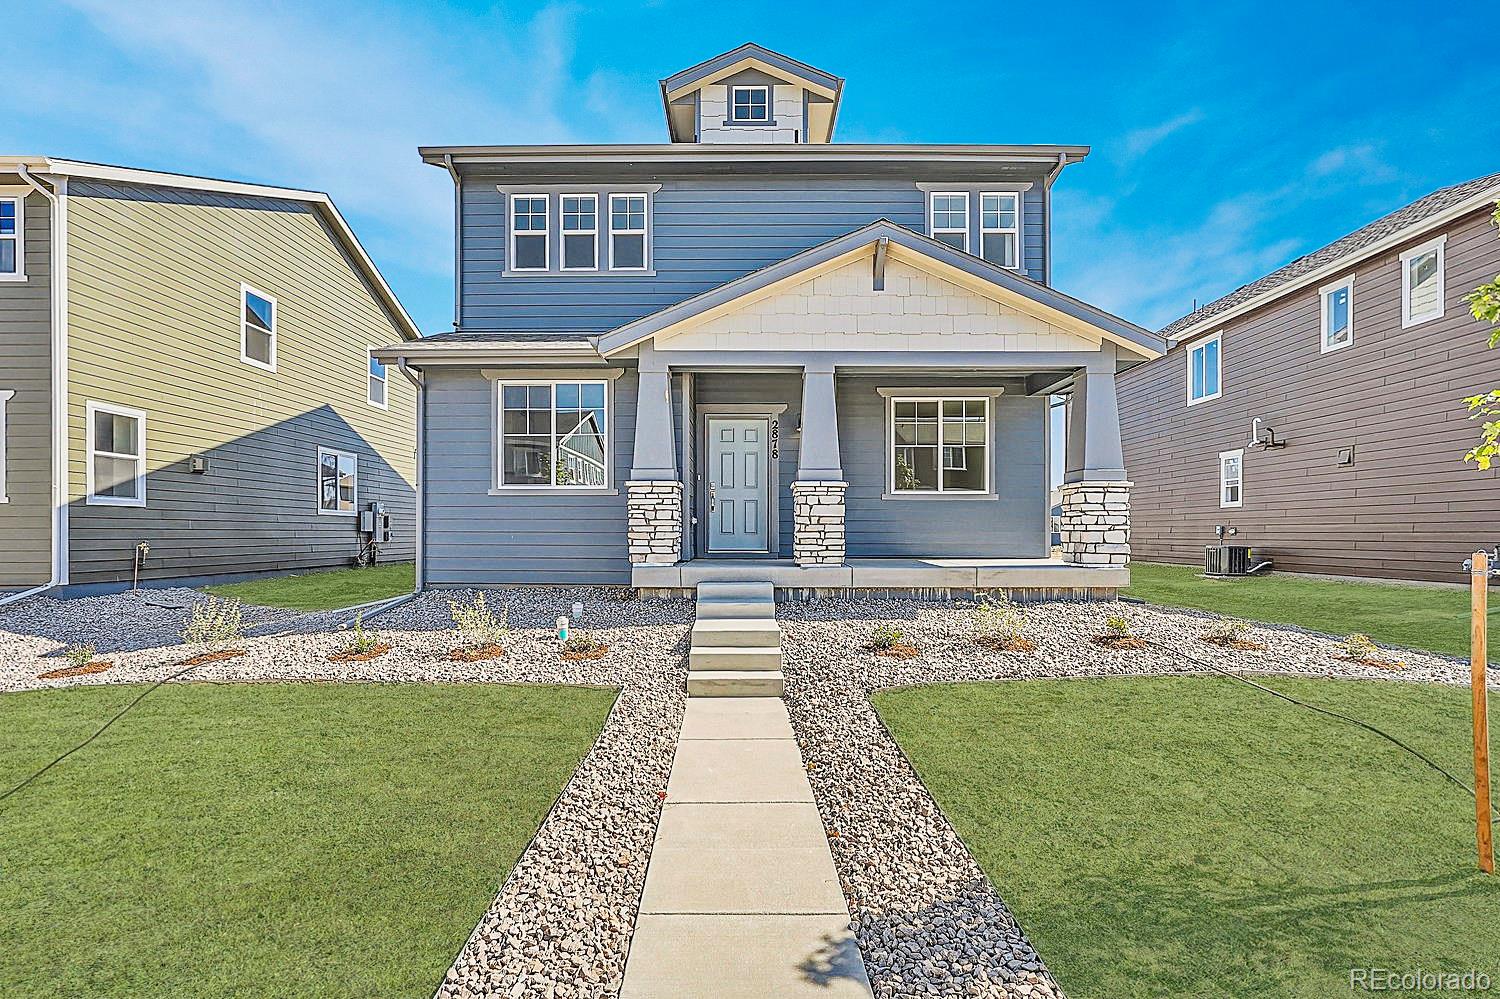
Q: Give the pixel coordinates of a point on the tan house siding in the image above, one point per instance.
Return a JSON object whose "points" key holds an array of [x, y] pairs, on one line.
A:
{"points": [[1408, 506], [155, 324], [26, 370]]}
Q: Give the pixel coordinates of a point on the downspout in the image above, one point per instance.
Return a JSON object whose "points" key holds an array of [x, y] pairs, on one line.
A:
{"points": [[419, 382], [458, 241], [1062, 161], [58, 280]]}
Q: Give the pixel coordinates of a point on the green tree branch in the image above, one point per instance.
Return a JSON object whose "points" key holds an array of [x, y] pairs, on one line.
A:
{"points": [[1484, 304]]}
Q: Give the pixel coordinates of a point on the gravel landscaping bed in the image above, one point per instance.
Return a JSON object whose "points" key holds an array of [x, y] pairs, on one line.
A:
{"points": [[561, 922], [929, 922]]}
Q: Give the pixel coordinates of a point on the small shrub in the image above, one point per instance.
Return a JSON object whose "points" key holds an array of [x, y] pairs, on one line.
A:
{"points": [[1227, 631], [359, 641], [79, 656], [583, 646], [884, 637], [1359, 646], [1117, 626], [998, 621], [215, 623], [480, 626]]}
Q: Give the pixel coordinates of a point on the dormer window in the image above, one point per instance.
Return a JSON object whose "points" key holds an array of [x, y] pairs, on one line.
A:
{"points": [[750, 105]]}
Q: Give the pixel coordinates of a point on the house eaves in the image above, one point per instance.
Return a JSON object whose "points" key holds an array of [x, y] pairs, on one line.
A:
{"points": [[470, 348], [716, 66], [735, 153]]}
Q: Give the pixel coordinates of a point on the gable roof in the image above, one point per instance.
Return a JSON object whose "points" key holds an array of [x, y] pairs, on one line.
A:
{"points": [[1425, 213], [826, 86], [320, 202], [1113, 328]]}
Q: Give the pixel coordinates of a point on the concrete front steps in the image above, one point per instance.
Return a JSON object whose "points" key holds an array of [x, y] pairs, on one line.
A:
{"points": [[736, 644]]}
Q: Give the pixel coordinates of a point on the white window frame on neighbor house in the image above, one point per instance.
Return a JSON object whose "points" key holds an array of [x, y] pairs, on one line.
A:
{"points": [[630, 231], [384, 378], [91, 409], [1238, 482], [497, 478], [1014, 232], [932, 228], [1407, 259], [545, 232], [734, 106], [564, 232], [1196, 348], [18, 237], [5, 397], [339, 456], [247, 290], [1325, 295], [891, 447]]}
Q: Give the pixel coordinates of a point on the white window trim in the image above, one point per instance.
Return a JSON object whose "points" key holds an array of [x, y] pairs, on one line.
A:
{"points": [[1193, 348], [736, 119], [318, 482], [5, 396], [546, 234], [563, 234], [245, 290], [1407, 319], [932, 229], [890, 457], [497, 478], [642, 232], [89, 410], [1238, 453], [1014, 231], [19, 197], [385, 379], [1323, 293]]}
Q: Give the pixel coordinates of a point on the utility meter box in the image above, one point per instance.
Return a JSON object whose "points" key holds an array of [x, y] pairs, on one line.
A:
{"points": [[375, 522]]}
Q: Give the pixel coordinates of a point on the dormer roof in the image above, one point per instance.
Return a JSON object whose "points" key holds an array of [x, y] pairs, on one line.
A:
{"points": [[823, 90]]}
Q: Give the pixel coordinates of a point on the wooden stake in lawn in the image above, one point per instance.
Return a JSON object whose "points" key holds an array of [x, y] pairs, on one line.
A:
{"points": [[1479, 588]]}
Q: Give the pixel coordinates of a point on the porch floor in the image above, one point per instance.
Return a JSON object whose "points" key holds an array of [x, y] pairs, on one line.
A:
{"points": [[887, 573]]}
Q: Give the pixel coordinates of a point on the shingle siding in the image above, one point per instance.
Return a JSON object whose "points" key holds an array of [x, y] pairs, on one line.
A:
{"points": [[1409, 506]]}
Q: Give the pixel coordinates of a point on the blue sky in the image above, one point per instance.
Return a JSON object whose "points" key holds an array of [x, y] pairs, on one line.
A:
{"points": [[1227, 139]]}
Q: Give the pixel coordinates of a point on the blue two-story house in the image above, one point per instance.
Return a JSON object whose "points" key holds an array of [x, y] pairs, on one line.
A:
{"points": [[754, 353]]}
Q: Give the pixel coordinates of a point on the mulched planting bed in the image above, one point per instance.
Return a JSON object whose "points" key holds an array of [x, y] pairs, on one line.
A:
{"points": [[900, 650], [1239, 644], [477, 654], [586, 655], [1119, 642], [204, 658], [67, 671], [1373, 662], [1003, 645], [360, 657]]}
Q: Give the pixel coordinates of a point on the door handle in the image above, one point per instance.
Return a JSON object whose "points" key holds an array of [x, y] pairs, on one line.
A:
{"points": [[712, 497]]}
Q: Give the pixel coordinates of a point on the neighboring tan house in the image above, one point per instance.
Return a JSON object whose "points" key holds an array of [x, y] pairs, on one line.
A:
{"points": [[185, 364], [753, 353], [1355, 361]]}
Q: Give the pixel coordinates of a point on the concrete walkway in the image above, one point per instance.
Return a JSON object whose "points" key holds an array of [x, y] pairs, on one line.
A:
{"points": [[741, 898]]}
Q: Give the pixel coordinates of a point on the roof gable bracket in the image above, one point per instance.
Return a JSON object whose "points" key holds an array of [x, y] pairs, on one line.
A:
{"points": [[881, 247]]}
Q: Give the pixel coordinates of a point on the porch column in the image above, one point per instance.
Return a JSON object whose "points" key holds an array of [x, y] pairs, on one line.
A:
{"points": [[1095, 522], [653, 499], [818, 492]]}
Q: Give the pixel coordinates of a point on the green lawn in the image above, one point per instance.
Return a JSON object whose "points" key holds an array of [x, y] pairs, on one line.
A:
{"points": [[326, 590], [269, 840], [1419, 617], [1193, 837]]}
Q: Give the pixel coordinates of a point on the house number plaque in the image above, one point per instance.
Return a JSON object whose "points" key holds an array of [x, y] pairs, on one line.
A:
{"points": [[775, 439]]}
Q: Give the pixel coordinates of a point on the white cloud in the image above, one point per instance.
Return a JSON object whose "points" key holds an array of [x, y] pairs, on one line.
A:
{"points": [[1141, 141]]}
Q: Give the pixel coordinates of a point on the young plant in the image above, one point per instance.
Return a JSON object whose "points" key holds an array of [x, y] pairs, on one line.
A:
{"points": [[360, 641], [1227, 631], [581, 645], [215, 623], [79, 656], [884, 637], [997, 622], [1359, 647], [480, 626], [1117, 626]]}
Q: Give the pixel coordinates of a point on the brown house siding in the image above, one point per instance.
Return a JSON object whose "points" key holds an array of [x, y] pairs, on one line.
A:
{"points": [[1408, 507]]}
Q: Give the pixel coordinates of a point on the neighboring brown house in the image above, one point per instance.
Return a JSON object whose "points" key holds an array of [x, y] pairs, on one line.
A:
{"points": [[1355, 360]]}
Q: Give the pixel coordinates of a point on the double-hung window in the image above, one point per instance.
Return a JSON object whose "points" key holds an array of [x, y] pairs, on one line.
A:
{"points": [[338, 482], [940, 446], [257, 328], [948, 219], [1205, 369], [1231, 479], [378, 383], [553, 435], [627, 232], [1422, 283], [12, 232], [116, 440], [1000, 228], [580, 232], [750, 105], [528, 232], [1338, 315]]}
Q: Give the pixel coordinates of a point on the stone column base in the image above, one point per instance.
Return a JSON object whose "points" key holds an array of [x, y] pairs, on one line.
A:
{"points": [[1095, 524], [818, 522], [654, 515]]}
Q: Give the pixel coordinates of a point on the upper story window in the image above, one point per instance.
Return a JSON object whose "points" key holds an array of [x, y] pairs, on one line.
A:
{"points": [[1422, 283], [257, 328], [116, 440], [1000, 228], [949, 219], [1338, 315], [1231, 479], [528, 232], [750, 104], [378, 383], [627, 232], [12, 229], [1205, 369], [580, 232]]}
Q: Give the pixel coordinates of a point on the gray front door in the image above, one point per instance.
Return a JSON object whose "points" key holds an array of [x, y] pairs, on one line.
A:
{"points": [[737, 487]]}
